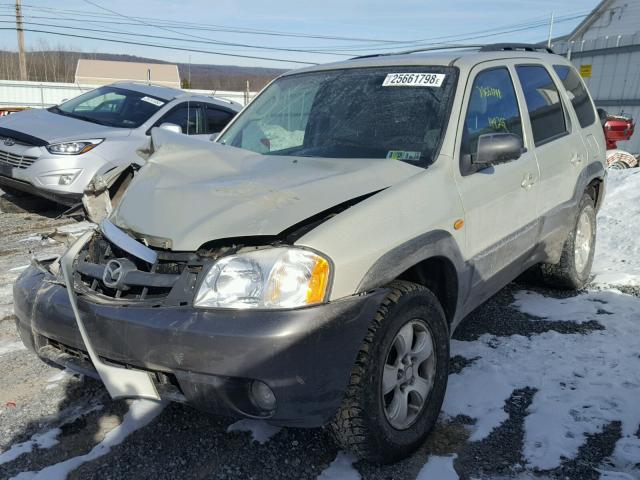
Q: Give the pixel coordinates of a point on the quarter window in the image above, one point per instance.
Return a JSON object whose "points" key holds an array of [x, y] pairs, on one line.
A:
{"points": [[493, 108], [543, 103], [577, 93]]}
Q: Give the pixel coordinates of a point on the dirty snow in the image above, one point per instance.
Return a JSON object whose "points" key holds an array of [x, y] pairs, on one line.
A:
{"points": [[584, 381], [40, 440], [8, 346], [438, 468], [140, 413], [342, 469], [260, 431]]}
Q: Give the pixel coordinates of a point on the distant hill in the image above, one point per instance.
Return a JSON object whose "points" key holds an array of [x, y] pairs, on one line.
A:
{"points": [[60, 66]]}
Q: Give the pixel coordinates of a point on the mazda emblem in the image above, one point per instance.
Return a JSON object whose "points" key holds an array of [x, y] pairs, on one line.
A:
{"points": [[112, 273]]}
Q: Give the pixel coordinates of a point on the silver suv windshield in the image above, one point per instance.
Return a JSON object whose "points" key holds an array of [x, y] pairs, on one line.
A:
{"points": [[392, 112], [111, 106]]}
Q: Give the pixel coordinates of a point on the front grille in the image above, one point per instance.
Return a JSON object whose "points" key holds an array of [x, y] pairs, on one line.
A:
{"points": [[172, 272], [17, 161]]}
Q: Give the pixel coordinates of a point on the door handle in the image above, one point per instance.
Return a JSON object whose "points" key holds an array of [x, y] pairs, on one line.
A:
{"points": [[528, 181]]}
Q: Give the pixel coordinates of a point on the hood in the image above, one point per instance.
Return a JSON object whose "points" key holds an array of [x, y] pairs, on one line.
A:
{"points": [[51, 127], [191, 192]]}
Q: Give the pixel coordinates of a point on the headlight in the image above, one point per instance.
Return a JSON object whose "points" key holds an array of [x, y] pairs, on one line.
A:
{"points": [[280, 277], [74, 148]]}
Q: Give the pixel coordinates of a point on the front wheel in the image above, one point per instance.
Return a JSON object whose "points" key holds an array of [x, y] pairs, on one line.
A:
{"points": [[398, 383]]}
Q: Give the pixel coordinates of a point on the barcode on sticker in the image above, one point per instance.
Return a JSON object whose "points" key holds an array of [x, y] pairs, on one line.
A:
{"points": [[413, 80], [153, 101]]}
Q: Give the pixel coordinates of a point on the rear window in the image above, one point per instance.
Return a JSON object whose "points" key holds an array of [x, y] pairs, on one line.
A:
{"points": [[577, 93], [543, 103]]}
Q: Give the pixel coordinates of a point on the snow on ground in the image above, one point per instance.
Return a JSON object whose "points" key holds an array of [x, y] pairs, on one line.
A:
{"points": [[260, 430], [617, 258], [140, 413], [438, 468], [583, 382], [342, 469]]}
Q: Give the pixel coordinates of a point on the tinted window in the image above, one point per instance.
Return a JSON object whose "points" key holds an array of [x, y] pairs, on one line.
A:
{"points": [[493, 108], [217, 119], [112, 106], [349, 113], [543, 103], [187, 117], [577, 93]]}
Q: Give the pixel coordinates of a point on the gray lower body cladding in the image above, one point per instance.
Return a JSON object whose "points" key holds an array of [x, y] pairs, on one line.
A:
{"points": [[304, 355]]}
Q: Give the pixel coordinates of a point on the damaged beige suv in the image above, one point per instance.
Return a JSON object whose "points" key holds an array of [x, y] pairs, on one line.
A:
{"points": [[310, 268]]}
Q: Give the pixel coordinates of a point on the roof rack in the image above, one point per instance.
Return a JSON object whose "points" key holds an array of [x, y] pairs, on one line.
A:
{"points": [[495, 47], [417, 50], [505, 47]]}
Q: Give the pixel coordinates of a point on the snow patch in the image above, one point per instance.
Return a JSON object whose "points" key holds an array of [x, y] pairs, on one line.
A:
{"points": [[617, 255], [261, 431], [141, 412], [41, 440], [342, 469], [438, 468], [583, 382]]}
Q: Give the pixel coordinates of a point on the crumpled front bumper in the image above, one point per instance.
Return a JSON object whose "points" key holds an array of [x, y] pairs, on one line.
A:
{"points": [[210, 356]]}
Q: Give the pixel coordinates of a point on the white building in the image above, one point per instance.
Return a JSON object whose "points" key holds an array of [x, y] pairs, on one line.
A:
{"points": [[605, 47]]}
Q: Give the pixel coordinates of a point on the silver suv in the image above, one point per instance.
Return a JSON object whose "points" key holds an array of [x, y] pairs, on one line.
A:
{"points": [[55, 153], [310, 268]]}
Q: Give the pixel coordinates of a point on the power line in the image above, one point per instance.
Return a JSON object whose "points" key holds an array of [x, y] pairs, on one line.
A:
{"points": [[168, 47]]}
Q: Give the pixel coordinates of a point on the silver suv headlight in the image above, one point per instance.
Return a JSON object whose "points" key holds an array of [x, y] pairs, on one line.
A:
{"points": [[76, 147], [279, 277]]}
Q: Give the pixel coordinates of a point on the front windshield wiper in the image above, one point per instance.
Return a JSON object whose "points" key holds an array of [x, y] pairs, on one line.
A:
{"points": [[89, 119]]}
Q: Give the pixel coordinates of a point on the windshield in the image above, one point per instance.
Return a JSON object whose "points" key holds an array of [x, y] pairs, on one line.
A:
{"points": [[396, 113], [111, 106]]}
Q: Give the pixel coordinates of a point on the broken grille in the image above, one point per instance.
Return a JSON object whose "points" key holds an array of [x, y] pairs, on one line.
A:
{"points": [[17, 161], [137, 280]]}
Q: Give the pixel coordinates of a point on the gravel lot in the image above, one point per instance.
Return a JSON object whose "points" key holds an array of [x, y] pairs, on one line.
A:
{"points": [[48, 417]]}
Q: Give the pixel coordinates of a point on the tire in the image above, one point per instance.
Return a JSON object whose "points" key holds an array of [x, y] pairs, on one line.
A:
{"points": [[363, 425], [573, 270]]}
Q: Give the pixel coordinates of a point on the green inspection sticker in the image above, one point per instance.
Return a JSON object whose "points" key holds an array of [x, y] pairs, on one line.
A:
{"points": [[404, 156]]}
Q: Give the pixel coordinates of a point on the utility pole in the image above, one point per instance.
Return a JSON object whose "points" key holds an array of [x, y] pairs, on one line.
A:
{"points": [[21, 55], [550, 30]]}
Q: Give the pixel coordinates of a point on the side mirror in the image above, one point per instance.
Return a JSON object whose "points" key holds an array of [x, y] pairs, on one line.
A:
{"points": [[602, 114], [172, 127], [496, 148]]}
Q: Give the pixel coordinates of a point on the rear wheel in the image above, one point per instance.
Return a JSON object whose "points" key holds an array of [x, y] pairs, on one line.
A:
{"points": [[574, 267], [398, 383]]}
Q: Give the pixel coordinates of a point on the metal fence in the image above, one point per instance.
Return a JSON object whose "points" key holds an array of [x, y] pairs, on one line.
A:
{"points": [[18, 94]]}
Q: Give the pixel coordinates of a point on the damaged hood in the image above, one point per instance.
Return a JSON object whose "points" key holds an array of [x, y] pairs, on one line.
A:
{"points": [[191, 192], [49, 127]]}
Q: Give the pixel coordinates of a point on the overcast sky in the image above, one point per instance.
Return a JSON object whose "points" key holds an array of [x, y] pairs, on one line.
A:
{"points": [[376, 23]]}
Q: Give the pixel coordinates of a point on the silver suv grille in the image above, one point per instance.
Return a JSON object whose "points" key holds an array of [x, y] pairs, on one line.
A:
{"points": [[17, 161]]}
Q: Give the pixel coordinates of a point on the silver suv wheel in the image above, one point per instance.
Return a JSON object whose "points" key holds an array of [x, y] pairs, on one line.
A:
{"points": [[583, 242], [408, 374]]}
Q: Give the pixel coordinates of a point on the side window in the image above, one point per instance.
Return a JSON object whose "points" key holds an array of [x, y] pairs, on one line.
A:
{"points": [[543, 103], [216, 119], [577, 93], [493, 108], [188, 117]]}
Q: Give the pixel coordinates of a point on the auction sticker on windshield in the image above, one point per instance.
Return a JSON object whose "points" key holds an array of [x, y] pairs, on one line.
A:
{"points": [[404, 156], [413, 80], [153, 101]]}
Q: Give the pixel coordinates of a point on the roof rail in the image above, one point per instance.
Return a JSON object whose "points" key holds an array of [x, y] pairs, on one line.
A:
{"points": [[417, 50], [527, 47]]}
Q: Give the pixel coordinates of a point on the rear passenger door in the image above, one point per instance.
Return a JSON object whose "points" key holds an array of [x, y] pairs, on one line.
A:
{"points": [[559, 148], [499, 201]]}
